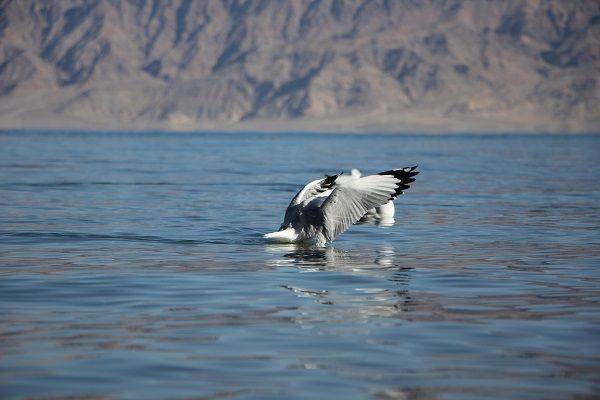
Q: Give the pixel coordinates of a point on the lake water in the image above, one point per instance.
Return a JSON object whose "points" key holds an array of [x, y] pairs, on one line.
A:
{"points": [[132, 266]]}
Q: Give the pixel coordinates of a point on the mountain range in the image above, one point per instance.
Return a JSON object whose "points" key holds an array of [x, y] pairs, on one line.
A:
{"points": [[301, 65]]}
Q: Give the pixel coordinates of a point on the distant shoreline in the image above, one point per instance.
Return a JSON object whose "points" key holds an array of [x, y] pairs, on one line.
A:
{"points": [[395, 125], [291, 132]]}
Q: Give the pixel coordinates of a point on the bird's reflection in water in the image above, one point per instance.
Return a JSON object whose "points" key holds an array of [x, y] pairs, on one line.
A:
{"points": [[301, 256], [385, 256], [367, 282], [330, 258]]}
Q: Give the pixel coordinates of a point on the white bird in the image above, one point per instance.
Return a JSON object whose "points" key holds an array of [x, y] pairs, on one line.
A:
{"points": [[326, 207]]}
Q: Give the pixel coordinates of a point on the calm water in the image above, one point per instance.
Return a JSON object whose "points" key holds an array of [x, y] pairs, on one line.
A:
{"points": [[131, 266]]}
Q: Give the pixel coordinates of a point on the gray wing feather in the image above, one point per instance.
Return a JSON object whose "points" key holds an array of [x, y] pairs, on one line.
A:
{"points": [[350, 200], [313, 189]]}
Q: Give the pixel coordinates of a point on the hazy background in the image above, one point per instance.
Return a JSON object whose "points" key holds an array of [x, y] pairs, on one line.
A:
{"points": [[322, 65]]}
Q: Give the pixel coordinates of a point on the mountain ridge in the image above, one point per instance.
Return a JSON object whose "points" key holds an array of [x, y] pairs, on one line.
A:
{"points": [[319, 65]]}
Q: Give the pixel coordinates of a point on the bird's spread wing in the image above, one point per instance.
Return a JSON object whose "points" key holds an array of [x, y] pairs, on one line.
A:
{"points": [[313, 189], [351, 200]]}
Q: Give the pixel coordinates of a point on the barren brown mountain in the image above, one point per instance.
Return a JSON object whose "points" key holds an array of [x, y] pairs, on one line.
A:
{"points": [[327, 65]]}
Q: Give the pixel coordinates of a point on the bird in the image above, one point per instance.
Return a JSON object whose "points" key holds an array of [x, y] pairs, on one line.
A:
{"points": [[326, 207]]}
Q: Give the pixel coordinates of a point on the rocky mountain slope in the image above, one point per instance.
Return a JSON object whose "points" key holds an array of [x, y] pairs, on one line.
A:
{"points": [[329, 65]]}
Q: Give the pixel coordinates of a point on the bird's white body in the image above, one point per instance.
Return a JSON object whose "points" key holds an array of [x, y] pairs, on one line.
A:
{"points": [[388, 210]]}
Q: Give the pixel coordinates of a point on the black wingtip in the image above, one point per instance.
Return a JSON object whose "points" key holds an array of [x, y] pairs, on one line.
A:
{"points": [[404, 175], [329, 181]]}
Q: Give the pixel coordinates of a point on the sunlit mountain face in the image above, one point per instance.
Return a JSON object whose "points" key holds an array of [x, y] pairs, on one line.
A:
{"points": [[369, 65]]}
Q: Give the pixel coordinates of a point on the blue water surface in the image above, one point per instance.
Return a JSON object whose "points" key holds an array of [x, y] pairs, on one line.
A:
{"points": [[132, 267]]}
